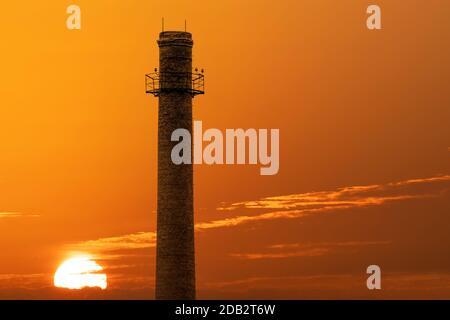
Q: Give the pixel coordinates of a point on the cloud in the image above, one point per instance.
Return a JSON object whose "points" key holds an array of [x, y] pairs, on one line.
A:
{"points": [[17, 215], [128, 254], [303, 204], [306, 250], [137, 240], [328, 244], [11, 280], [291, 206], [342, 197], [313, 252], [331, 286], [290, 212]]}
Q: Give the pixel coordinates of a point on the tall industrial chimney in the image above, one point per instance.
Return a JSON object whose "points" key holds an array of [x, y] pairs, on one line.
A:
{"points": [[175, 85]]}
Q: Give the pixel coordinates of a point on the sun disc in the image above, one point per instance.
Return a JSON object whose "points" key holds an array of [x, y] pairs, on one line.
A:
{"points": [[78, 273]]}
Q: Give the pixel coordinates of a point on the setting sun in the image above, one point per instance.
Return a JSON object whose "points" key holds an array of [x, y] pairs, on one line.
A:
{"points": [[80, 272]]}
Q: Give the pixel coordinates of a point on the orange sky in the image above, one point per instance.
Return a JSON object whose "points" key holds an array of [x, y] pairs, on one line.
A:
{"points": [[354, 108]]}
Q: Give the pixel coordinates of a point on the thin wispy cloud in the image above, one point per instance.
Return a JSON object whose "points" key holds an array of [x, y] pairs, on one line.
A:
{"points": [[290, 211], [313, 252], [280, 281], [293, 206], [413, 284], [24, 280], [300, 205], [4, 215], [344, 197], [137, 240], [122, 254], [306, 249]]}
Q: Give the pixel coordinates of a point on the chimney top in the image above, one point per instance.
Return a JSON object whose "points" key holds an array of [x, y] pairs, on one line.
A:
{"points": [[175, 38]]}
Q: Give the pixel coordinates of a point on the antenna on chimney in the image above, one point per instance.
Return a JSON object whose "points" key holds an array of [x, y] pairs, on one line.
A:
{"points": [[185, 25], [162, 24]]}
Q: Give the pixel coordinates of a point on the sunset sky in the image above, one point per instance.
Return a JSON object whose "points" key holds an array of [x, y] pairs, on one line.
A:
{"points": [[364, 147]]}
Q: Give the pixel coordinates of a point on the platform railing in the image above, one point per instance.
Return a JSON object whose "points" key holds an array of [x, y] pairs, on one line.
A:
{"points": [[189, 82]]}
